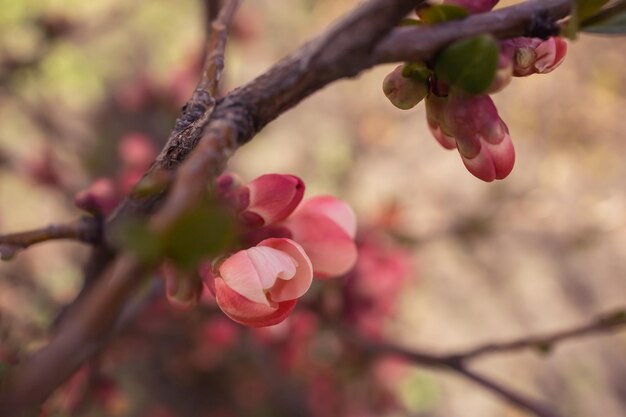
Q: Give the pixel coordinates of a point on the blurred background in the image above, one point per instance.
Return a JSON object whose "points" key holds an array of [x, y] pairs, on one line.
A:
{"points": [[447, 261]]}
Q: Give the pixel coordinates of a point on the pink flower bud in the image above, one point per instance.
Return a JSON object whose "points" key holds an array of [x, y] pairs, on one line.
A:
{"points": [[474, 6], [472, 125], [269, 198], [325, 227], [404, 92], [100, 198], [535, 56], [435, 107], [259, 286], [482, 138]]}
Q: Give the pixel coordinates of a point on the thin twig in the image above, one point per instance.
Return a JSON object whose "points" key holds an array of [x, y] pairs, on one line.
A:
{"points": [[85, 229], [199, 107], [612, 321]]}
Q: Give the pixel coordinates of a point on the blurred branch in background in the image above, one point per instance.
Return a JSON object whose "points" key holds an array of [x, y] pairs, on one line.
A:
{"points": [[457, 362], [85, 229]]}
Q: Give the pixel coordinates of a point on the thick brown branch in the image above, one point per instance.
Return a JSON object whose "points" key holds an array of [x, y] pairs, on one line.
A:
{"points": [[78, 339], [85, 229], [422, 43]]}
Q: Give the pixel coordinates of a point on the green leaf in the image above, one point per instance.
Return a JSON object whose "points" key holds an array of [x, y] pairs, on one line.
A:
{"points": [[469, 64], [441, 13], [588, 8], [410, 22], [417, 71], [613, 25], [581, 10], [205, 231], [136, 237]]}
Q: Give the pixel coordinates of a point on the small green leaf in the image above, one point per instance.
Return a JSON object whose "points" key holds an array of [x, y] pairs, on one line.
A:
{"points": [[469, 64], [417, 71], [544, 348], [614, 25], [410, 22], [582, 10], [588, 8], [207, 230], [441, 13]]}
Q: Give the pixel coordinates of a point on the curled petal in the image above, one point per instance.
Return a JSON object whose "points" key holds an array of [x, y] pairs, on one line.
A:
{"points": [[253, 271], [550, 54], [271, 198], [297, 285], [331, 249], [246, 312]]}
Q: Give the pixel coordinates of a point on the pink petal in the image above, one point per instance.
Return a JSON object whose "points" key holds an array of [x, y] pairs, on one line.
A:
{"points": [[300, 283], [503, 157], [271, 264], [335, 209], [239, 273], [550, 54], [331, 250], [272, 197], [481, 166], [246, 312]]}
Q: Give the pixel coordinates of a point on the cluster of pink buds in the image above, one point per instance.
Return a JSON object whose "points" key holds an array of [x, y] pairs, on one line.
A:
{"points": [[288, 242], [469, 122]]}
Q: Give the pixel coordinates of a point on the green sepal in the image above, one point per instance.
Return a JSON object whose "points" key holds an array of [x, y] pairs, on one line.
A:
{"points": [[441, 13]]}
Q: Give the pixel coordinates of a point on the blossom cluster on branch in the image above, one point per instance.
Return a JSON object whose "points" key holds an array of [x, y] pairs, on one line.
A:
{"points": [[460, 115]]}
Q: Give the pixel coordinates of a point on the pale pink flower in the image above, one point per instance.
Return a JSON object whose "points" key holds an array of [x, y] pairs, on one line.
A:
{"points": [[259, 286]]}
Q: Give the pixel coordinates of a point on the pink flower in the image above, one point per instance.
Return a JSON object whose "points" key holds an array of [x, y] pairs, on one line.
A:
{"points": [[268, 199], [472, 125], [260, 286], [288, 243], [535, 56]]}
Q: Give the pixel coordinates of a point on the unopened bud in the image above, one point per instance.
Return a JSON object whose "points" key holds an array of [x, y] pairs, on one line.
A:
{"points": [[404, 92]]}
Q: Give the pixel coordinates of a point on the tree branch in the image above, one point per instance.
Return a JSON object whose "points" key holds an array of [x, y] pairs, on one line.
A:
{"points": [[85, 229], [612, 321], [457, 363]]}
